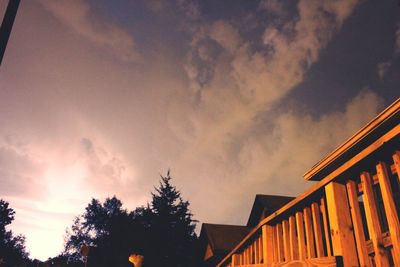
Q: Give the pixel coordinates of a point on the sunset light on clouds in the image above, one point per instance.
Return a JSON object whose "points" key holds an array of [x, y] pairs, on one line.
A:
{"points": [[97, 98]]}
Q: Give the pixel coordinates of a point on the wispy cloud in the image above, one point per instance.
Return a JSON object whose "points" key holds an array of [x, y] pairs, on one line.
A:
{"points": [[77, 16]]}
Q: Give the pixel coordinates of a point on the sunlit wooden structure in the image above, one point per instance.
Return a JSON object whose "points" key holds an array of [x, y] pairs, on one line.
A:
{"points": [[350, 217]]}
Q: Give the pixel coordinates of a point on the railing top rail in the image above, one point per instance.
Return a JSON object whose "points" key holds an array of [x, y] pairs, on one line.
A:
{"points": [[315, 172], [395, 132]]}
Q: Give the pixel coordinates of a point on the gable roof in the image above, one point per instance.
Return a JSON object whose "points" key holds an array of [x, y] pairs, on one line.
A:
{"points": [[222, 237], [264, 205]]}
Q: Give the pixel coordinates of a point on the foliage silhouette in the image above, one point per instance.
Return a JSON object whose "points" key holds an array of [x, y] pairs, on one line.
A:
{"points": [[163, 231], [12, 248]]}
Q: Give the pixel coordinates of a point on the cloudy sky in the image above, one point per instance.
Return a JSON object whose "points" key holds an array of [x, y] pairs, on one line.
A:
{"points": [[236, 97]]}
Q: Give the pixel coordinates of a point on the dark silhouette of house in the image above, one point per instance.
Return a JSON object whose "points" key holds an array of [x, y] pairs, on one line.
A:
{"points": [[265, 205], [217, 240]]}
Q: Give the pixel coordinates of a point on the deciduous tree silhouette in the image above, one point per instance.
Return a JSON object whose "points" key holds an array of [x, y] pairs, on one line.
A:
{"points": [[12, 248], [162, 231]]}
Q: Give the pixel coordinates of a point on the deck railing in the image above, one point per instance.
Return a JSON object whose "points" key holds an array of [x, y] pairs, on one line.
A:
{"points": [[350, 218]]}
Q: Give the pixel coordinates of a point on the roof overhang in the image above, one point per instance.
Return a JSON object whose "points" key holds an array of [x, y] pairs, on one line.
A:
{"points": [[386, 120]]}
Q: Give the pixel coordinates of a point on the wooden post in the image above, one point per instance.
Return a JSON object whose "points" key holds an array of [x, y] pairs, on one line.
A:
{"points": [[317, 229], [268, 245], [374, 227], [357, 224], [309, 233], [341, 228], [390, 209]]}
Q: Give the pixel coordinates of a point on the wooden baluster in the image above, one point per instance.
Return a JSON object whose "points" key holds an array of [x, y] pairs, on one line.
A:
{"points": [[396, 160], [309, 233], [390, 210], [300, 236], [357, 224], [279, 239], [248, 255], [260, 249], [326, 228], [286, 240], [251, 253], [268, 244], [341, 227], [256, 257], [294, 253], [275, 238], [371, 214], [317, 230], [235, 260], [245, 257]]}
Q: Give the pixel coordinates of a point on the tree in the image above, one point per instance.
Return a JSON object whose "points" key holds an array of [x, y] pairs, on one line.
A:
{"points": [[94, 228], [163, 231], [12, 248], [172, 228]]}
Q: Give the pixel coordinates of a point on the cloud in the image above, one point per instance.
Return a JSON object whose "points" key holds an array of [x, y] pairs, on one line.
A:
{"points": [[397, 44], [77, 16], [226, 35], [246, 82], [382, 68], [271, 160], [19, 173]]}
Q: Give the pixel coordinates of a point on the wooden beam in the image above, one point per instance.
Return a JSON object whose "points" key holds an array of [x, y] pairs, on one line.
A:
{"points": [[300, 236], [374, 227], [294, 252], [316, 217], [390, 210], [326, 228], [357, 224], [341, 228], [286, 240], [309, 233]]}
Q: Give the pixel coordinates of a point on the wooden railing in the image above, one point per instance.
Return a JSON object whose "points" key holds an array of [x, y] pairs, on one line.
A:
{"points": [[350, 218]]}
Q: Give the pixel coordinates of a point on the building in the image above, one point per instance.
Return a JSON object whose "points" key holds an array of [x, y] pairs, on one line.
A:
{"points": [[350, 217]]}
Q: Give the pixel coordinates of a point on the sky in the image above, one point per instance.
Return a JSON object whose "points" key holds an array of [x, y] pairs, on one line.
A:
{"points": [[235, 97]]}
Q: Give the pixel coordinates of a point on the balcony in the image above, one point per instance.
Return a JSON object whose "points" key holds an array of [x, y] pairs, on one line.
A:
{"points": [[350, 217]]}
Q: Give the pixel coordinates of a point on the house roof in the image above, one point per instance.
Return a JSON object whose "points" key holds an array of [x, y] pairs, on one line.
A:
{"points": [[266, 204], [387, 119], [223, 238]]}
